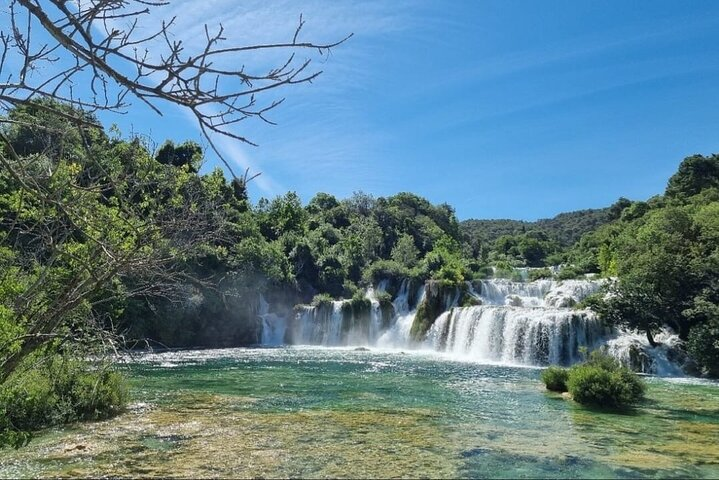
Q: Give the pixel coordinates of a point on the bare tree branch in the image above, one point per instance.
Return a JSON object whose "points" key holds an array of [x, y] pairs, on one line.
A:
{"points": [[98, 43]]}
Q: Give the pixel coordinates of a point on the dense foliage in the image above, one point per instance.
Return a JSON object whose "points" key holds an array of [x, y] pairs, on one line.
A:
{"points": [[664, 254], [555, 378], [65, 390]]}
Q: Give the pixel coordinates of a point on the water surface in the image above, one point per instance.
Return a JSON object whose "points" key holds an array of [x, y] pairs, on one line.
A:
{"points": [[319, 412]]}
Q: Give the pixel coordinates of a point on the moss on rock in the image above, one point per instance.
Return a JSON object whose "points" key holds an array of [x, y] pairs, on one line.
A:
{"points": [[436, 295]]}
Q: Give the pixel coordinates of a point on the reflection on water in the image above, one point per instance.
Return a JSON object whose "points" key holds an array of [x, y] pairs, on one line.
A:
{"points": [[298, 412]]}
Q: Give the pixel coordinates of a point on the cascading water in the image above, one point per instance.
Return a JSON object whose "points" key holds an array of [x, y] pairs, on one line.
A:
{"points": [[634, 351], [397, 336], [273, 325], [516, 335], [521, 323], [338, 323], [375, 325], [501, 292], [318, 325], [539, 293]]}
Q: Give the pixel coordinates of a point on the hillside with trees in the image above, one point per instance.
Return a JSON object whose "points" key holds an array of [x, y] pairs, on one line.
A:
{"points": [[566, 228]]}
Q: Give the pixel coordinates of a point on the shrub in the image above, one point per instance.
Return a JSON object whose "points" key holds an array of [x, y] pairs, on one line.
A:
{"points": [[602, 381], [468, 300], [594, 302], [569, 273], [555, 378], [357, 305], [591, 385], [88, 395], [420, 273], [321, 299], [596, 386], [539, 273], [450, 275], [483, 273], [349, 289], [599, 359], [384, 269], [383, 297], [501, 272], [63, 391]]}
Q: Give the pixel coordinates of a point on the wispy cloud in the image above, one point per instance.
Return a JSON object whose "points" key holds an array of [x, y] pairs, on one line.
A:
{"points": [[236, 154]]}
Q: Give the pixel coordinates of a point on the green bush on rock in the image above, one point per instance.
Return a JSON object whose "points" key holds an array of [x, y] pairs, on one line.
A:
{"points": [[322, 299], [540, 273], [593, 385], [600, 381], [569, 273]]}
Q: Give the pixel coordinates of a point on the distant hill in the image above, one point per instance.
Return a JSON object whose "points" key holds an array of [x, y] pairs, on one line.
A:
{"points": [[566, 228]]}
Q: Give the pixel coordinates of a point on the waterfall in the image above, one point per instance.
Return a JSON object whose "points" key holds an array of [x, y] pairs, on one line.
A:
{"points": [[526, 323], [397, 336], [375, 324], [539, 293], [337, 324], [273, 325], [518, 323], [512, 335], [318, 325], [633, 350]]}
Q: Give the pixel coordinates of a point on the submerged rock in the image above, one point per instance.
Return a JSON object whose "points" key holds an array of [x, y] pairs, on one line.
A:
{"points": [[361, 349], [474, 452]]}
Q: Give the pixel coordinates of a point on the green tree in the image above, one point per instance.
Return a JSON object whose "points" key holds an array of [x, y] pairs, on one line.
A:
{"points": [[187, 154], [703, 343], [615, 211], [130, 218], [284, 214], [695, 174], [404, 252]]}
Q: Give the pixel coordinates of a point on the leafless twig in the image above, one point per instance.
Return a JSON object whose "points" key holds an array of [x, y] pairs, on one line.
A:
{"points": [[98, 58]]}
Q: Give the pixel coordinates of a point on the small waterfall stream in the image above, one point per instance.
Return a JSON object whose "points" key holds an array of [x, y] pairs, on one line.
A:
{"points": [[397, 336], [273, 325]]}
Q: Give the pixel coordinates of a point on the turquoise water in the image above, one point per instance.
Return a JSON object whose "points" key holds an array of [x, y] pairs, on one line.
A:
{"points": [[301, 412]]}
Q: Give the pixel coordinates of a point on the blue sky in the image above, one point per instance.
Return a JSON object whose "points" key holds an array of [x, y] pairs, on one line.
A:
{"points": [[503, 109]]}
